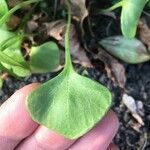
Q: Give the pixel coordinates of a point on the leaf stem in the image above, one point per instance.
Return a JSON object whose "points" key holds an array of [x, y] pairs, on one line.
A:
{"points": [[11, 11], [68, 62], [119, 4]]}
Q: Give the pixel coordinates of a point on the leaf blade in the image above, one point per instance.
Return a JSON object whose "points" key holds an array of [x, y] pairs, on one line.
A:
{"points": [[44, 58], [65, 108], [131, 12]]}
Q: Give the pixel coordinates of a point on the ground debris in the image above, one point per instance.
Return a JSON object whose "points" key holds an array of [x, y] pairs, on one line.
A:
{"points": [[79, 10], [144, 32], [56, 30], [134, 108], [115, 70]]}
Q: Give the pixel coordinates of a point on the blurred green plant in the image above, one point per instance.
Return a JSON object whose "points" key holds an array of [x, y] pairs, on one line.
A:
{"points": [[130, 14], [11, 57], [130, 51]]}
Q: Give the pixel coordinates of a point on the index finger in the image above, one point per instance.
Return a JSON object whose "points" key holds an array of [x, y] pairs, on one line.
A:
{"points": [[15, 122]]}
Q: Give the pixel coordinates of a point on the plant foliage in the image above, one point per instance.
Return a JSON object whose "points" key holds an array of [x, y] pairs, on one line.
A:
{"points": [[69, 104], [11, 58], [130, 14]]}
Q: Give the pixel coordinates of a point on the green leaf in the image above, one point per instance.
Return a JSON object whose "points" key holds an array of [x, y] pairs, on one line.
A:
{"points": [[3, 8], [16, 71], [6, 35], [69, 104], [131, 12], [10, 54], [8, 70], [129, 50], [44, 58], [6, 16], [20, 71]]}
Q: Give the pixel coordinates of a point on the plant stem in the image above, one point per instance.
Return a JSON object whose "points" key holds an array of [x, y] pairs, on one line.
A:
{"points": [[119, 4], [11, 11], [68, 62]]}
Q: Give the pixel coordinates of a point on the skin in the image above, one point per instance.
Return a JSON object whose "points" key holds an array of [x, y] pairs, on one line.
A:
{"points": [[19, 132]]}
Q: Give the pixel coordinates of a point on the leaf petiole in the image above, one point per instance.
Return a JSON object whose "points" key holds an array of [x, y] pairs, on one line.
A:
{"points": [[68, 62], [115, 6]]}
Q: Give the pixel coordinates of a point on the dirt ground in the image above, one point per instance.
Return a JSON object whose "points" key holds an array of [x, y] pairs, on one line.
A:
{"points": [[131, 135]]}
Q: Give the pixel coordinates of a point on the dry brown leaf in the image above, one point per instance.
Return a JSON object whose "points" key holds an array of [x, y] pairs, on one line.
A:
{"points": [[131, 104], [13, 22], [79, 10], [115, 70], [56, 30], [144, 32], [13, 3]]}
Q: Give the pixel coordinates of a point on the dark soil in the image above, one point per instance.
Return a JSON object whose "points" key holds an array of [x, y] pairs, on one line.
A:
{"points": [[137, 84]]}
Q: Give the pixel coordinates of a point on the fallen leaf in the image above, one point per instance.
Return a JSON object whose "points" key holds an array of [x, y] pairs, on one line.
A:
{"points": [[131, 104], [144, 32], [115, 70], [79, 10], [13, 22], [135, 125], [32, 26], [56, 30]]}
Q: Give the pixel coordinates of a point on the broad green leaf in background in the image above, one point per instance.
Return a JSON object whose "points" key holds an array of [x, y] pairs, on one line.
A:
{"points": [[44, 58], [69, 104], [79, 10], [131, 12], [129, 50]]}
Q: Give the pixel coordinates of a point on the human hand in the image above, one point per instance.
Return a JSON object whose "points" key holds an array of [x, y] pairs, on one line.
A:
{"points": [[19, 132]]}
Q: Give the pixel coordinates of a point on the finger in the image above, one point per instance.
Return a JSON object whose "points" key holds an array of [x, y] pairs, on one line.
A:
{"points": [[45, 139], [15, 123], [99, 137], [112, 147]]}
